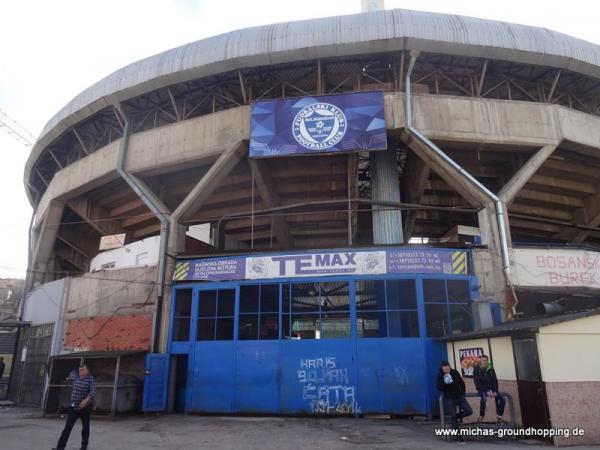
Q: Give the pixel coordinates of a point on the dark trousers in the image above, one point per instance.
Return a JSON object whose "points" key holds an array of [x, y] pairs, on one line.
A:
{"points": [[74, 414], [457, 408], [500, 403]]}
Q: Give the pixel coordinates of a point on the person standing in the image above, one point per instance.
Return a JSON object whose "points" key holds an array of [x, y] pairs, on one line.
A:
{"points": [[486, 383], [83, 396], [2, 367], [452, 386]]}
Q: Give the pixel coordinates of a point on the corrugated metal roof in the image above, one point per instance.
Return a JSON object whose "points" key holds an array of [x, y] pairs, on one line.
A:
{"points": [[510, 327], [364, 33]]}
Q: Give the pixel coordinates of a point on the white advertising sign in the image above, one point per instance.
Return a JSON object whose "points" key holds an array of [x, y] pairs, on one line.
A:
{"points": [[112, 241], [556, 268], [303, 265]]}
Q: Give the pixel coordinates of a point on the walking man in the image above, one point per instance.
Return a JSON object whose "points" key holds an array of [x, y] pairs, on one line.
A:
{"points": [[452, 386], [486, 383], [82, 402]]}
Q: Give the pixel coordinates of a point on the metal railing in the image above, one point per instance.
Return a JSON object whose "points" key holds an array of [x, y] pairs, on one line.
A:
{"points": [[506, 395]]}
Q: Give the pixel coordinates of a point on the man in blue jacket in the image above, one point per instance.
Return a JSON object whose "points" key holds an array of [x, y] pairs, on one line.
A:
{"points": [[486, 383], [83, 396], [452, 386]]}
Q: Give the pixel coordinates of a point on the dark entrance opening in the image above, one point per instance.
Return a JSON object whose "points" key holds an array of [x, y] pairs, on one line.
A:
{"points": [[181, 378], [532, 395]]}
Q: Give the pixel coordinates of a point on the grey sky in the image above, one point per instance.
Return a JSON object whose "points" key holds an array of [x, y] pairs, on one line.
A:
{"points": [[52, 50]]}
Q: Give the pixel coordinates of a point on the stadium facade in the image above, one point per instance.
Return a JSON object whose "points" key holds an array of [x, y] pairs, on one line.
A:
{"points": [[372, 183]]}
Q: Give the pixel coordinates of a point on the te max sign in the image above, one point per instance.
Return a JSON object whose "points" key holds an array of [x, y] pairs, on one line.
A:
{"points": [[304, 265], [327, 263]]}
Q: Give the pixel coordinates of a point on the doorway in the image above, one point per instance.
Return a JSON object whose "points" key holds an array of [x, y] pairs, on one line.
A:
{"points": [[532, 394]]}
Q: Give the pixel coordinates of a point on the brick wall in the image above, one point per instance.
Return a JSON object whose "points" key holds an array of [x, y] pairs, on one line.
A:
{"points": [[575, 405], [127, 332], [509, 386]]}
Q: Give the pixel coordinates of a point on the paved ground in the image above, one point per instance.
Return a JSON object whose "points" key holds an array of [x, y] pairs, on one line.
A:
{"points": [[25, 429]]}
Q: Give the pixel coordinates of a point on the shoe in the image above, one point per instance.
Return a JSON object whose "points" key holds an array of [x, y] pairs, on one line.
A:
{"points": [[499, 419], [480, 419]]}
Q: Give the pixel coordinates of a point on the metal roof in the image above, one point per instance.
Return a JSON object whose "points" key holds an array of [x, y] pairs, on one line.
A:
{"points": [[99, 354], [510, 327], [370, 32]]}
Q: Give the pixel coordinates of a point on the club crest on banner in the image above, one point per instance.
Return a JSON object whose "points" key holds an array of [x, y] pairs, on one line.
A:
{"points": [[319, 126]]}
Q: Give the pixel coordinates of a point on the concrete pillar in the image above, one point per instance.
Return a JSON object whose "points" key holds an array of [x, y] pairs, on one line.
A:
{"points": [[43, 250], [387, 223]]}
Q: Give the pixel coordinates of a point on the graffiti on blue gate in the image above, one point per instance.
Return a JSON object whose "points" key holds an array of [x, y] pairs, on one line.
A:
{"points": [[326, 387]]}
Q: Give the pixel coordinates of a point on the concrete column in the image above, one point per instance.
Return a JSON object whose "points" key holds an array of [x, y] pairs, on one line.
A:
{"points": [[508, 193], [43, 250], [387, 223]]}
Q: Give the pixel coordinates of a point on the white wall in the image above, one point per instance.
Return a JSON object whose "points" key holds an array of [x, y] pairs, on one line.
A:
{"points": [[140, 253], [501, 354], [44, 303], [143, 252], [569, 351]]}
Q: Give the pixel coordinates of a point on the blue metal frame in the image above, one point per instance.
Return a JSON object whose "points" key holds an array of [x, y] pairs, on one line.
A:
{"points": [[425, 343]]}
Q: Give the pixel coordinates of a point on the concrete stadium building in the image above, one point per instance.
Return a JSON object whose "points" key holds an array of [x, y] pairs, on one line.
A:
{"points": [[327, 275]]}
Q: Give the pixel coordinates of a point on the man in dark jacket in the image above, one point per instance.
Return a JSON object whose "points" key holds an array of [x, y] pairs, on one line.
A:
{"points": [[486, 383], [83, 396], [452, 386]]}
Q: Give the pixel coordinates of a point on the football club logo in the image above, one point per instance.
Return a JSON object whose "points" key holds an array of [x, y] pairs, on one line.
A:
{"points": [[319, 126]]}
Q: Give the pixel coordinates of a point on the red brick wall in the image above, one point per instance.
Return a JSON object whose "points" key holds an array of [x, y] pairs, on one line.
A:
{"points": [[575, 405], [131, 332]]}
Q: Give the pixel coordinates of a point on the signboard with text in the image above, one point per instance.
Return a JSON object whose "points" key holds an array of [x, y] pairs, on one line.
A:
{"points": [[112, 241], [319, 124], [469, 358], [327, 263], [556, 268]]}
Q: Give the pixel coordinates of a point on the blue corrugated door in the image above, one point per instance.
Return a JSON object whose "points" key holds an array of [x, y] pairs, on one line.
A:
{"points": [[156, 382]]}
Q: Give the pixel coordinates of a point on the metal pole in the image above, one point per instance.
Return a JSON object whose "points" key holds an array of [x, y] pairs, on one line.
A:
{"points": [[113, 407], [493, 198]]}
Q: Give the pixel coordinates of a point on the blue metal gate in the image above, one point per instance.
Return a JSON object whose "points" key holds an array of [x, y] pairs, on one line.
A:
{"points": [[345, 345], [155, 382]]}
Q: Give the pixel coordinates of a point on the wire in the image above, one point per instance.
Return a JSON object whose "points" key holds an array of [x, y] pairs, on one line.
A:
{"points": [[114, 313], [77, 274], [458, 209], [108, 219], [96, 301]]}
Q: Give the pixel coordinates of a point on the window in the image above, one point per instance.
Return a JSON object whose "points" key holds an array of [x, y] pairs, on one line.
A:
{"points": [[183, 315], [108, 265], [447, 307], [386, 308], [216, 311], [141, 258], [316, 310], [259, 312]]}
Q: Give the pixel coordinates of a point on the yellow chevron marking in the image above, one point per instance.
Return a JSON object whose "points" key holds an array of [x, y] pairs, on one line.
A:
{"points": [[459, 263], [181, 271]]}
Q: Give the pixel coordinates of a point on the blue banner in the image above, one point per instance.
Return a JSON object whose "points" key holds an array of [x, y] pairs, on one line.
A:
{"points": [[325, 263], [323, 124]]}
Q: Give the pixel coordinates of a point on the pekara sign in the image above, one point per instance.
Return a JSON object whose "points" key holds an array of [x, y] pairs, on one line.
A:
{"points": [[556, 268], [469, 358], [327, 263], [323, 124]]}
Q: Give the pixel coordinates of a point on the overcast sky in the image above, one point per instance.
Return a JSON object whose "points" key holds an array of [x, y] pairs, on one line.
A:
{"points": [[52, 50]]}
